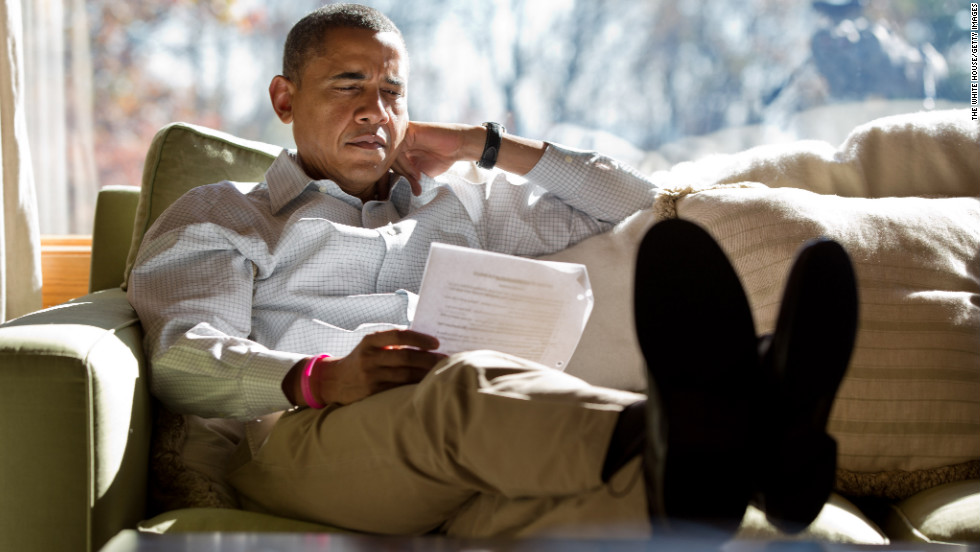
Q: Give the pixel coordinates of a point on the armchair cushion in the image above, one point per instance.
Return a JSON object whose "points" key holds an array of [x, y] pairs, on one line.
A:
{"points": [[191, 520], [839, 521], [189, 461], [183, 156], [947, 513]]}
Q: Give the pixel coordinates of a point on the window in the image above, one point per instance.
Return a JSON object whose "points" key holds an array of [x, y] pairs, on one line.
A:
{"points": [[651, 82]]}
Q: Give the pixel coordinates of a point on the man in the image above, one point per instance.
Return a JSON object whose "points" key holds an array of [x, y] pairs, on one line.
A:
{"points": [[296, 297]]}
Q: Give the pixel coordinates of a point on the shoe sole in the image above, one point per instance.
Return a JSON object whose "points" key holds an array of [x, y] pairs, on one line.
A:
{"points": [[697, 336]]}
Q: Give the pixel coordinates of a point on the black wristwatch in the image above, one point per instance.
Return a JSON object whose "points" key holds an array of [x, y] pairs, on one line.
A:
{"points": [[492, 147]]}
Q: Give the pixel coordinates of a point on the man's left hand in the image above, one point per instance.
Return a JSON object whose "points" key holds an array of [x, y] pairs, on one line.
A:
{"points": [[432, 148]]}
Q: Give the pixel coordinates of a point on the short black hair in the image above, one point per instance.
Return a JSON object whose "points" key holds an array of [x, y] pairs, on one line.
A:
{"points": [[305, 39]]}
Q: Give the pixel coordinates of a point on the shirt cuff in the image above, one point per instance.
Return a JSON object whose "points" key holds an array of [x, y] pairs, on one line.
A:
{"points": [[262, 381]]}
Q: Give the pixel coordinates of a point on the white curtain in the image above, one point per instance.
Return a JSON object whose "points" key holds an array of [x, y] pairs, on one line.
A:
{"points": [[60, 118], [20, 251]]}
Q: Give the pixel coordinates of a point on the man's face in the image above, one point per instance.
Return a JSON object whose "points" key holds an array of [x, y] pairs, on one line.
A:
{"points": [[350, 112]]}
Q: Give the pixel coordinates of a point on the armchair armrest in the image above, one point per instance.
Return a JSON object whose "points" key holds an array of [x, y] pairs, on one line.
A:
{"points": [[75, 425]]}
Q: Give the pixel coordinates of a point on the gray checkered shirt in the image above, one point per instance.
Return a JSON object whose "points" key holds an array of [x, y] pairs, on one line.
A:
{"points": [[235, 288]]}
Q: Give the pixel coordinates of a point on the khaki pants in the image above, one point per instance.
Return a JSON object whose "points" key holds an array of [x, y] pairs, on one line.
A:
{"points": [[487, 444]]}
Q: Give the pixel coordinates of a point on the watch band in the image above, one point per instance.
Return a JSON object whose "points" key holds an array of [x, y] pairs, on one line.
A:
{"points": [[492, 146]]}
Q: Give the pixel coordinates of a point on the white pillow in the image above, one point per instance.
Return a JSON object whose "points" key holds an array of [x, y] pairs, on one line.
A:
{"points": [[608, 353]]}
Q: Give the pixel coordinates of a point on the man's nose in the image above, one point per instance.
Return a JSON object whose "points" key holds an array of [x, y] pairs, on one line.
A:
{"points": [[373, 110]]}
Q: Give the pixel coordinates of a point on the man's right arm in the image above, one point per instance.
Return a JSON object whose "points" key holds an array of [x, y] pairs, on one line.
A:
{"points": [[193, 295], [212, 369], [192, 289]]}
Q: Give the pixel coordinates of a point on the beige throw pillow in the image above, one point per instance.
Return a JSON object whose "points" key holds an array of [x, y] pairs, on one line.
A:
{"points": [[911, 398]]}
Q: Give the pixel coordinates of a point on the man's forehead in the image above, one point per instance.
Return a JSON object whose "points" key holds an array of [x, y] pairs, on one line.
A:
{"points": [[392, 40], [350, 51], [358, 39]]}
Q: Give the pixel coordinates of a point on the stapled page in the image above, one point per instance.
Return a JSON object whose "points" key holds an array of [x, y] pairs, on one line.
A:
{"points": [[472, 299]]}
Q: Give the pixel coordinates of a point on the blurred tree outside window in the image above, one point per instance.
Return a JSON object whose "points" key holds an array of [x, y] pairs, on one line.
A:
{"points": [[652, 82]]}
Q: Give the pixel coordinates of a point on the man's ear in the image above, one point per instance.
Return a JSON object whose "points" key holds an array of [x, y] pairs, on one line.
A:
{"points": [[281, 93]]}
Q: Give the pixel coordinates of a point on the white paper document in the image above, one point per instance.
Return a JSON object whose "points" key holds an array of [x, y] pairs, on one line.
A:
{"points": [[472, 299]]}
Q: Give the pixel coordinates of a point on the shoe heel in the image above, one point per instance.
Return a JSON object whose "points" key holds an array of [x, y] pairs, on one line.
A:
{"points": [[806, 358], [799, 484]]}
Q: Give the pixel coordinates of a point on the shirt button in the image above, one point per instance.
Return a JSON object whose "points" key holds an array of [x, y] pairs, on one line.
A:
{"points": [[323, 189]]}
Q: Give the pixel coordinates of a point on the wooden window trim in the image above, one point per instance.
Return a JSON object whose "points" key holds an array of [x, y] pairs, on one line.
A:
{"points": [[65, 264]]}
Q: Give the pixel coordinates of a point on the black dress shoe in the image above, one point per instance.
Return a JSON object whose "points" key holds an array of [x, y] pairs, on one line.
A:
{"points": [[697, 336], [805, 359]]}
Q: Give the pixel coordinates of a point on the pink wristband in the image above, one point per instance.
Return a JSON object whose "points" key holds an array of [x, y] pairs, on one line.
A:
{"points": [[304, 382]]}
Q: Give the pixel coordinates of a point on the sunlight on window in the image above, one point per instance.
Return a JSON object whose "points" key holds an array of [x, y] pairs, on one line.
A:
{"points": [[652, 83]]}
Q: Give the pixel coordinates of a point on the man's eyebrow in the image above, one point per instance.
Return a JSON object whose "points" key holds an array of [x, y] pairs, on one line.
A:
{"points": [[358, 76], [349, 75]]}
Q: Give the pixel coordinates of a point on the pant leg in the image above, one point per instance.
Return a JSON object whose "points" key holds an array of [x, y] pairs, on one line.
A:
{"points": [[407, 460], [615, 511]]}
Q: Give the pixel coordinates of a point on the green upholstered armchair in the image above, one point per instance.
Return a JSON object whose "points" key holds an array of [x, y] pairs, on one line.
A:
{"points": [[75, 412]]}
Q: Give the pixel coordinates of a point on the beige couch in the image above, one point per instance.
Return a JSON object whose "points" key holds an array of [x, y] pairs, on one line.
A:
{"points": [[87, 453]]}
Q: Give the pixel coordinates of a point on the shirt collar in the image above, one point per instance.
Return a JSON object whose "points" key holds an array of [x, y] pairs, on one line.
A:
{"points": [[287, 180]]}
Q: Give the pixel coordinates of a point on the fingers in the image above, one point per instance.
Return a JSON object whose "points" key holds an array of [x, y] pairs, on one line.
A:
{"points": [[399, 356], [400, 365], [414, 177], [380, 362], [402, 356], [405, 167], [428, 148], [395, 339]]}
